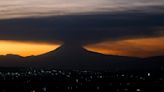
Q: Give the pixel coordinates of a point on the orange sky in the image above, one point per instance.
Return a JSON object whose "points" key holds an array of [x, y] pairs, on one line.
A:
{"points": [[144, 47], [25, 49]]}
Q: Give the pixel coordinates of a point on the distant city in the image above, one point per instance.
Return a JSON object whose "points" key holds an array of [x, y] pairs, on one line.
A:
{"points": [[50, 80], [81, 45]]}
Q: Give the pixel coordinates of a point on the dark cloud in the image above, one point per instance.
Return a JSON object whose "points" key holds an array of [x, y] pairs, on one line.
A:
{"points": [[83, 29]]}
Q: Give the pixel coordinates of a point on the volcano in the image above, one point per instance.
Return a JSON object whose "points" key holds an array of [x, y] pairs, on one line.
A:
{"points": [[70, 56], [75, 57]]}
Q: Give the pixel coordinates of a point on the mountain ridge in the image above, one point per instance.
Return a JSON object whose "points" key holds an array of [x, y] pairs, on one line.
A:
{"points": [[76, 57]]}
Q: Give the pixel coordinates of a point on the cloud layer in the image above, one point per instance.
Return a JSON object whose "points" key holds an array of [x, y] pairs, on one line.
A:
{"points": [[26, 8], [86, 28]]}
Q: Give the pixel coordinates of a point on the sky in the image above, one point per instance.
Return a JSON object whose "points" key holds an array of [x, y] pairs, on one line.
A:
{"points": [[119, 27], [24, 49], [25, 8]]}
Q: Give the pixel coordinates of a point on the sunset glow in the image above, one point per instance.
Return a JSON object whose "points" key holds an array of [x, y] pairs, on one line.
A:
{"points": [[25, 48], [134, 47], [143, 47]]}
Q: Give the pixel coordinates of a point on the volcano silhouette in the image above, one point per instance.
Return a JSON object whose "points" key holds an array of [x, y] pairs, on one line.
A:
{"points": [[70, 56], [75, 57]]}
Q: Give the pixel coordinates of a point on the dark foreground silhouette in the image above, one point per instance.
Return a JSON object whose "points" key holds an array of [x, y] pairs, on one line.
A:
{"points": [[72, 68], [69, 57]]}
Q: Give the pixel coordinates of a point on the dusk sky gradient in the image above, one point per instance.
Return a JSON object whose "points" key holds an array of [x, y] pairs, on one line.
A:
{"points": [[119, 27]]}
